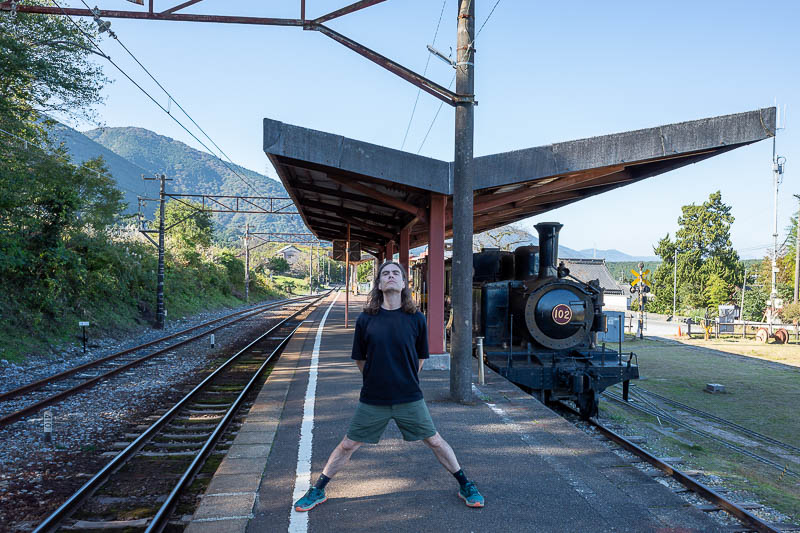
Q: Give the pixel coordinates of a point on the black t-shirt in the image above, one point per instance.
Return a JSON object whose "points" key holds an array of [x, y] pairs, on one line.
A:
{"points": [[392, 343]]}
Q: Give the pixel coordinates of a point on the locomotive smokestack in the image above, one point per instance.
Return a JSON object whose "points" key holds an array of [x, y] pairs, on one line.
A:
{"points": [[548, 248]]}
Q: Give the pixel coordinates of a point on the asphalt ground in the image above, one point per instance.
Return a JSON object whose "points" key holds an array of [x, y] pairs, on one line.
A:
{"points": [[536, 471]]}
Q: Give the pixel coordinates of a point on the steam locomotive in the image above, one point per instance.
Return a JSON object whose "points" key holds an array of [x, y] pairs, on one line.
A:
{"points": [[539, 324]]}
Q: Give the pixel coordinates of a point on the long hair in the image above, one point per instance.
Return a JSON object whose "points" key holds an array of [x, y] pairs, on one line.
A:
{"points": [[375, 298]]}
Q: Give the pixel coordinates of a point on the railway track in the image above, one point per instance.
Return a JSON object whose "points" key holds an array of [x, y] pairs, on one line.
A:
{"points": [[736, 510], [643, 405], [143, 484], [55, 388], [718, 419]]}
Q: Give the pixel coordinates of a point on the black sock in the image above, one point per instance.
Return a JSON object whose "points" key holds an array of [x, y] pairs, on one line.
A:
{"points": [[322, 481], [460, 477]]}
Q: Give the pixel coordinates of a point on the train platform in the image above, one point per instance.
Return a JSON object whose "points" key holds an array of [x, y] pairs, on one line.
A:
{"points": [[537, 471]]}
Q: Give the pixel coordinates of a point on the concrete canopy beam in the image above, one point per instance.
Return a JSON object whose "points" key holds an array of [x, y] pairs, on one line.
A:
{"points": [[354, 156], [391, 188], [626, 148]]}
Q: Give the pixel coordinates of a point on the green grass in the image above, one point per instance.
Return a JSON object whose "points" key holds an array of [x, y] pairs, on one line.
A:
{"points": [[759, 396]]}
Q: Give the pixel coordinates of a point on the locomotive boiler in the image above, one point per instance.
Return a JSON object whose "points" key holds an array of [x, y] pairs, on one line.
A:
{"points": [[540, 325]]}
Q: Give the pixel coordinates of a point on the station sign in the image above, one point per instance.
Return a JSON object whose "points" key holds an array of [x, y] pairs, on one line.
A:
{"points": [[340, 251]]}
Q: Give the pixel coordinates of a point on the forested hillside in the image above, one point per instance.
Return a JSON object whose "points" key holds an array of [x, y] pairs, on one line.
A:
{"points": [[130, 152], [65, 254]]}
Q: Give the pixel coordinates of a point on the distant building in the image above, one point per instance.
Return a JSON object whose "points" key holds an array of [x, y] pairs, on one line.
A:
{"points": [[614, 296], [291, 253]]}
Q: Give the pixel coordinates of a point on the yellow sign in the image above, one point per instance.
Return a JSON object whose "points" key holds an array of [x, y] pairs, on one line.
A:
{"points": [[640, 278]]}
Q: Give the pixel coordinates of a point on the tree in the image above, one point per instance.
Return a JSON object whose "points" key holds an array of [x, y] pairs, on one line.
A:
{"points": [[708, 267], [505, 238], [192, 227], [278, 264], [45, 69]]}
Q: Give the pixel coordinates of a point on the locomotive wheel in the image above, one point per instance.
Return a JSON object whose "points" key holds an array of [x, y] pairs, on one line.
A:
{"points": [[781, 336], [762, 335]]}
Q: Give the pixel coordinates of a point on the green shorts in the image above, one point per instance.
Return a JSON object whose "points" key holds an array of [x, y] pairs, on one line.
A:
{"points": [[370, 421]]}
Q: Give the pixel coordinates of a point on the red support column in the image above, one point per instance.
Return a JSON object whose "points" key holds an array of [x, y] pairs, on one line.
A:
{"points": [[405, 235], [436, 274], [390, 250]]}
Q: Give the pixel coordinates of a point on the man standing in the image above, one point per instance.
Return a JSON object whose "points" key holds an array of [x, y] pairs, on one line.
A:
{"points": [[389, 347]]}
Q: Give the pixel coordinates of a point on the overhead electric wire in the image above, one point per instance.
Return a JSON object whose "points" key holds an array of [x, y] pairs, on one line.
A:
{"points": [[172, 98], [427, 62], [107, 57], [454, 77]]}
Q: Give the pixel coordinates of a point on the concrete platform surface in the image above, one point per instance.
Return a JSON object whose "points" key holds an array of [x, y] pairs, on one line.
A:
{"points": [[537, 471]]}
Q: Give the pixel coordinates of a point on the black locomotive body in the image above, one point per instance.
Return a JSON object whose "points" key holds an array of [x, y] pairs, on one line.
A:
{"points": [[539, 326]]}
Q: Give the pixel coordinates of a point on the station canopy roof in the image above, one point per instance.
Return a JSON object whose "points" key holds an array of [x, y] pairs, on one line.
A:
{"points": [[335, 180]]}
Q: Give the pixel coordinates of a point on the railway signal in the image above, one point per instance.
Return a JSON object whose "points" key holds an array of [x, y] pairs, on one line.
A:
{"points": [[640, 285]]}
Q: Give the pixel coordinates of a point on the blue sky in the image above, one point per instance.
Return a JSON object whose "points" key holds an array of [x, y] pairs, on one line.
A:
{"points": [[545, 72]]}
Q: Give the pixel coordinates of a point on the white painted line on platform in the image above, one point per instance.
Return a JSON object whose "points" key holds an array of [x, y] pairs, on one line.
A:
{"points": [[298, 522]]}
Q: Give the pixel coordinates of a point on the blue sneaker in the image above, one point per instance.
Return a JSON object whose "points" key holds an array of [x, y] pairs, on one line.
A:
{"points": [[314, 497], [469, 493]]}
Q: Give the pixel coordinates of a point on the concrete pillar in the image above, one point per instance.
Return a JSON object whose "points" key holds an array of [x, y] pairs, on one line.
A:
{"points": [[436, 282], [405, 235]]}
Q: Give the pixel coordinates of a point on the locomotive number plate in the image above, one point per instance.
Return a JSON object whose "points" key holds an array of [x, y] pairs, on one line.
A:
{"points": [[562, 314]]}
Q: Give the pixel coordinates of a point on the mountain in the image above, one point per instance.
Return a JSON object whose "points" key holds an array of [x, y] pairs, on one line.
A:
{"points": [[133, 152], [127, 175], [511, 237], [616, 256]]}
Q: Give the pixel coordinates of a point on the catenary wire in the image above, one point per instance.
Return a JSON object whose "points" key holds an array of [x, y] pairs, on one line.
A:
{"points": [[454, 77], [427, 62], [107, 57], [172, 98]]}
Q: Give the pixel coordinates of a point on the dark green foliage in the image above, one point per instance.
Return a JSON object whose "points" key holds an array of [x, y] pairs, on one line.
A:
{"points": [[278, 265], [60, 261], [708, 268]]}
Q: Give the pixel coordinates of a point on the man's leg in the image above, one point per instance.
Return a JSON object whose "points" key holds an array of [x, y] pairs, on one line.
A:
{"points": [[339, 457], [443, 452]]}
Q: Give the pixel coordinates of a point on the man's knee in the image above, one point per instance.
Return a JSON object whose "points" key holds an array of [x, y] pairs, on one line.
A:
{"points": [[436, 441], [348, 445]]}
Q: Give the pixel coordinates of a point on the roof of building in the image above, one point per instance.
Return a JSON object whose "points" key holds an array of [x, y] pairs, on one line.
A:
{"points": [[335, 181], [589, 269], [287, 248]]}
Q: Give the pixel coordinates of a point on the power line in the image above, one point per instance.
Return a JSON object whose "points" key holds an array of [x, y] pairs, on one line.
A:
{"points": [[427, 62], [454, 77], [107, 57], [172, 98]]}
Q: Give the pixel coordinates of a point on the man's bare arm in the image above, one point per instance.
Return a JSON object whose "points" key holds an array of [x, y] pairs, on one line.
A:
{"points": [[361, 365], [421, 362]]}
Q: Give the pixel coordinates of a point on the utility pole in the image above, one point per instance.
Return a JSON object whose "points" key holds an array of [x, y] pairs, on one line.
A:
{"points": [[247, 262], [311, 269], [674, 284], [461, 340], [777, 176], [744, 286], [797, 254], [160, 312]]}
